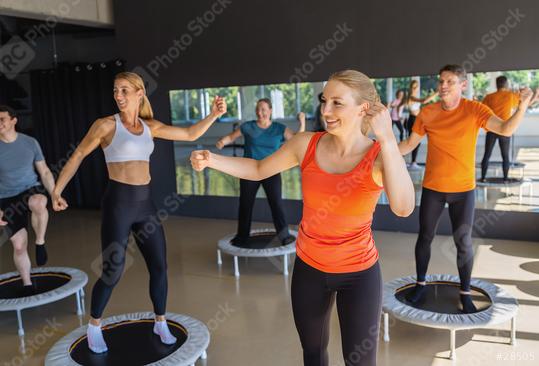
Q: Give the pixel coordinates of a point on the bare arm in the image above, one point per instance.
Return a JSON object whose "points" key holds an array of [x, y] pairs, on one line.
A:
{"points": [[228, 139], [288, 133], [396, 179], [408, 145], [45, 175], [193, 132], [288, 156], [424, 100], [89, 143], [506, 128], [390, 164]]}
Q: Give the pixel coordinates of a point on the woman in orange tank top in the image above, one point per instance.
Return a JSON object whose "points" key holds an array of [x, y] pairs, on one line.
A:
{"points": [[343, 173]]}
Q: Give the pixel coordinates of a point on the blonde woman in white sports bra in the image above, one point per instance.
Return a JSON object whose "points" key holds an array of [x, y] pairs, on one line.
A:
{"points": [[127, 142]]}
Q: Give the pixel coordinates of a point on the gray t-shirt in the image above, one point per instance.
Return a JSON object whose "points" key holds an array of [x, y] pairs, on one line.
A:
{"points": [[17, 170]]}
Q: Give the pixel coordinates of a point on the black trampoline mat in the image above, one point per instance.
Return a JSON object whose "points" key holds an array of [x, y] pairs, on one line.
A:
{"points": [[260, 241], [12, 288], [444, 298], [500, 180], [515, 164], [130, 342]]}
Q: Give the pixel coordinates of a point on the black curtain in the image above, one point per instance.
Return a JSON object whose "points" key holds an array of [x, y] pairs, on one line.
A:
{"points": [[65, 102]]}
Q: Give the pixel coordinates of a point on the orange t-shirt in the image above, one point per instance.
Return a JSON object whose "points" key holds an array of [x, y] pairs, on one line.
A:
{"points": [[452, 139], [502, 103], [335, 231]]}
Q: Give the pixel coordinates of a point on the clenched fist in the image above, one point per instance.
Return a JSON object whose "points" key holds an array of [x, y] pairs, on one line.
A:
{"points": [[200, 159], [379, 119], [526, 95], [220, 144], [218, 107], [58, 202]]}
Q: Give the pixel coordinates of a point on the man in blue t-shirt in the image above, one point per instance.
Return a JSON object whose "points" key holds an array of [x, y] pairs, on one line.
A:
{"points": [[262, 138], [21, 161]]}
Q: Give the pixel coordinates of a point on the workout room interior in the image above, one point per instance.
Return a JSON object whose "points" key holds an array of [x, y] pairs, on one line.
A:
{"points": [[240, 66]]}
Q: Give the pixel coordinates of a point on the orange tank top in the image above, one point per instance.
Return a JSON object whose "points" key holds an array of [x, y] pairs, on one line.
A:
{"points": [[335, 231]]}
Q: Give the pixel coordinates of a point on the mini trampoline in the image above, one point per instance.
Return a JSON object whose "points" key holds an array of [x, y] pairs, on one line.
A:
{"points": [[441, 306], [498, 165], [497, 182], [131, 341], [50, 284], [263, 243]]}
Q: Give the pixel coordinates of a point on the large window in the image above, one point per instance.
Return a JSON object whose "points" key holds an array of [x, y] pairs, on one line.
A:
{"points": [[188, 106]]}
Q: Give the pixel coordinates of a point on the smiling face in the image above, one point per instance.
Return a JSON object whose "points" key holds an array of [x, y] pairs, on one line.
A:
{"points": [[340, 108], [450, 86], [263, 111], [127, 97], [7, 123]]}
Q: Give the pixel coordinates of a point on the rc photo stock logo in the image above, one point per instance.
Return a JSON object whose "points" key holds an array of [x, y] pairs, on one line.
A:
{"points": [[149, 82], [15, 56]]}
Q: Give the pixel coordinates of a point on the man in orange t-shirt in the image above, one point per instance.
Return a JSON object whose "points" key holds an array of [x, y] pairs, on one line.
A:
{"points": [[503, 102], [452, 126]]}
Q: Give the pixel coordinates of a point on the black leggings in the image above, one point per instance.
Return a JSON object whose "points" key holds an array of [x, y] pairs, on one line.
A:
{"points": [[409, 125], [129, 209], [461, 213], [490, 141], [359, 302], [248, 189], [400, 128]]}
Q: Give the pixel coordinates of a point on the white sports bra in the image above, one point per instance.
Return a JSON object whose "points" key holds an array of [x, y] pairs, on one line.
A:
{"points": [[126, 146], [415, 106]]}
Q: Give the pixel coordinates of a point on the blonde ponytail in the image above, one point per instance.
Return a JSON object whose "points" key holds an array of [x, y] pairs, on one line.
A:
{"points": [[145, 111]]}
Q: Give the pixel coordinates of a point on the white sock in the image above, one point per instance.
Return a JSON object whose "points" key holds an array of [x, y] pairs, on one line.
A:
{"points": [[161, 329], [96, 342]]}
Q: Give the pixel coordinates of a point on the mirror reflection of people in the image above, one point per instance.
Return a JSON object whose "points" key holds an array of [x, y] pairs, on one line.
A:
{"points": [[262, 138], [23, 174], [396, 109], [414, 103], [452, 126], [127, 142], [502, 102], [343, 172]]}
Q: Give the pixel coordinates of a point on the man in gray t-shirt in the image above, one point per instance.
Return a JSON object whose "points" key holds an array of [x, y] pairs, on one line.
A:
{"points": [[23, 171]]}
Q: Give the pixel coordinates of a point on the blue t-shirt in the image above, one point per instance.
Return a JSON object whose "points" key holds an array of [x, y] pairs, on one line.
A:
{"points": [[262, 142], [17, 171]]}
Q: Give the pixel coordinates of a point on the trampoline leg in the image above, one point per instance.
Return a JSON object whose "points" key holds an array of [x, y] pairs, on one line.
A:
{"points": [[79, 308], [452, 352], [82, 305], [520, 195], [485, 193], [285, 264], [236, 267], [19, 321], [386, 327], [204, 355], [219, 259], [514, 331]]}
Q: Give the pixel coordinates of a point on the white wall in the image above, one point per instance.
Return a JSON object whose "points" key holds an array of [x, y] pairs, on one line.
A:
{"points": [[83, 12]]}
